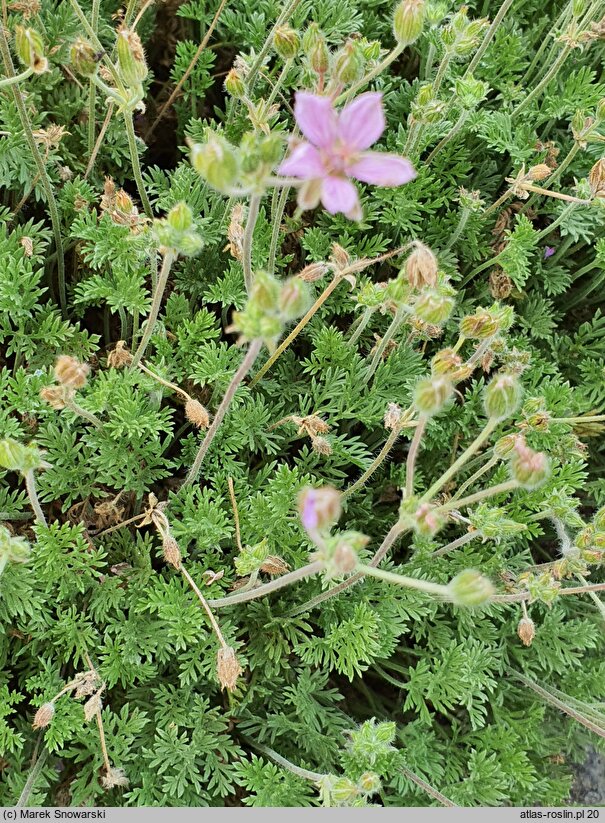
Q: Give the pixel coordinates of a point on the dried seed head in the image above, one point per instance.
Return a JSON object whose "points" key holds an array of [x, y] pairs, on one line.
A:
{"points": [[235, 232], [93, 706], [393, 416], [539, 172], [197, 414], [312, 424], [28, 246], [340, 256], [321, 446], [313, 272], [87, 684], [228, 668], [120, 356], [171, 551], [526, 630], [54, 396], [70, 372], [43, 716], [114, 778], [421, 267], [274, 565], [500, 284], [596, 178]]}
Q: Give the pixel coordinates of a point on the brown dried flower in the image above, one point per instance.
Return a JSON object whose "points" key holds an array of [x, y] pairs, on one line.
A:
{"points": [[321, 446], [313, 272], [114, 778], [171, 551], [93, 706], [526, 630], [120, 356], [197, 414], [596, 178], [43, 716], [421, 267], [54, 396], [28, 246], [235, 232], [393, 416], [228, 668], [70, 372], [274, 565]]}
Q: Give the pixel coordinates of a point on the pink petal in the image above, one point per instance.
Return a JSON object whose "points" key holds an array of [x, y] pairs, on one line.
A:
{"points": [[304, 162], [382, 169], [361, 122], [338, 195], [316, 118]]}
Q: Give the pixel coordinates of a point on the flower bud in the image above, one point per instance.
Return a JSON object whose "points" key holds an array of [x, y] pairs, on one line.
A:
{"points": [[408, 21], [216, 161], [315, 47], [43, 716], [529, 468], [83, 58], [526, 629], [431, 395], [600, 109], [445, 362], [234, 85], [585, 538], [505, 446], [180, 217], [344, 791], [369, 783], [16, 457], [293, 299], [428, 521], [286, 42], [479, 326], [393, 416], [470, 91], [70, 372], [197, 414], [30, 49], [433, 308], [228, 668], [171, 551], [502, 396], [421, 267], [313, 272], [319, 508], [349, 63], [12, 548], [470, 588], [131, 57]]}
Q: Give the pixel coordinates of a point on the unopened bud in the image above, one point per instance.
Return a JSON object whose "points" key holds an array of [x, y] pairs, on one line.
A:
{"points": [[421, 267], [599, 518], [313, 272], [171, 551], [293, 299], [216, 161], [526, 629], [234, 85], [83, 58], [43, 716], [470, 588], [408, 21], [180, 217], [529, 468], [344, 791], [228, 668], [479, 326], [70, 372], [431, 395], [30, 49], [131, 57], [428, 521], [369, 783], [197, 414], [433, 308], [539, 172], [319, 508], [502, 396], [120, 356], [286, 42], [349, 63], [393, 416], [505, 446], [446, 361], [315, 47]]}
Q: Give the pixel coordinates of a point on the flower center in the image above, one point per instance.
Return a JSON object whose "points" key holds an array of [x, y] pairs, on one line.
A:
{"points": [[337, 157]]}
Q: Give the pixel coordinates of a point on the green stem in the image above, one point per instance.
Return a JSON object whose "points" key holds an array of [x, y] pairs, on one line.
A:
{"points": [[92, 90], [493, 461], [563, 216], [384, 64], [376, 463], [315, 777], [595, 418], [388, 336], [449, 136], [280, 80], [169, 258], [546, 40], [544, 82], [455, 544], [33, 776], [594, 597], [136, 165], [253, 210], [246, 365], [360, 325], [285, 15], [464, 215], [457, 465], [9, 81], [30, 485], [501, 488], [310, 570], [77, 409], [55, 220], [436, 795], [92, 35], [403, 580], [277, 218], [412, 454], [441, 72], [489, 34]]}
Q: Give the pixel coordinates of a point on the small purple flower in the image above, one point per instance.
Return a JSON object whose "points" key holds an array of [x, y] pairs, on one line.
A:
{"points": [[335, 150], [319, 508], [548, 252]]}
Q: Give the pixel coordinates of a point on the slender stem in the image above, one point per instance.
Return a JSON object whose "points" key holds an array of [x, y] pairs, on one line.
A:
{"points": [[284, 16], [403, 580], [464, 216], [55, 220], [412, 454], [537, 90], [71, 404], [247, 363], [563, 216], [502, 199], [169, 258], [441, 798], [99, 141], [359, 326], [205, 606], [489, 34], [562, 166], [493, 461], [92, 35], [455, 544], [194, 60], [595, 418], [595, 599], [388, 336], [106, 760], [253, 210], [558, 195], [280, 80], [238, 535], [545, 42], [378, 460], [30, 485], [384, 64], [492, 491], [31, 779], [276, 228], [9, 81], [309, 570], [457, 465], [297, 329], [315, 777], [441, 72], [166, 383], [449, 136], [136, 165], [92, 89]]}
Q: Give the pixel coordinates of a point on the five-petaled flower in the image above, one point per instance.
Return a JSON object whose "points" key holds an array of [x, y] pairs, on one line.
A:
{"points": [[335, 150]]}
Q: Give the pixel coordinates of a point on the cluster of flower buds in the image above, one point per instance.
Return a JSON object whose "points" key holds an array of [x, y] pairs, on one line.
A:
{"points": [[426, 108], [461, 35], [270, 306], [492, 523], [337, 69], [542, 587], [470, 91], [590, 541], [258, 558], [29, 47], [535, 416], [585, 130], [485, 324], [342, 792], [118, 205], [339, 553], [423, 518], [176, 233], [16, 457], [70, 375], [528, 468], [236, 170]]}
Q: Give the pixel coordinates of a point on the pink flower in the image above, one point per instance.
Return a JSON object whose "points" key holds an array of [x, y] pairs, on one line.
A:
{"points": [[335, 150]]}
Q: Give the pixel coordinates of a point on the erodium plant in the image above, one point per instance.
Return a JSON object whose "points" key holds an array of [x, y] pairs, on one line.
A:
{"points": [[302, 491]]}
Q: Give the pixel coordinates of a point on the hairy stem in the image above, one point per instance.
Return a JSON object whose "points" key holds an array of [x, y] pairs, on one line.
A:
{"points": [[376, 463], [169, 258], [247, 363], [384, 64], [489, 35], [537, 90], [492, 491], [309, 570], [315, 777], [275, 230], [253, 210], [388, 336], [455, 544], [30, 485], [412, 454], [71, 404], [493, 461], [403, 580], [136, 164]]}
